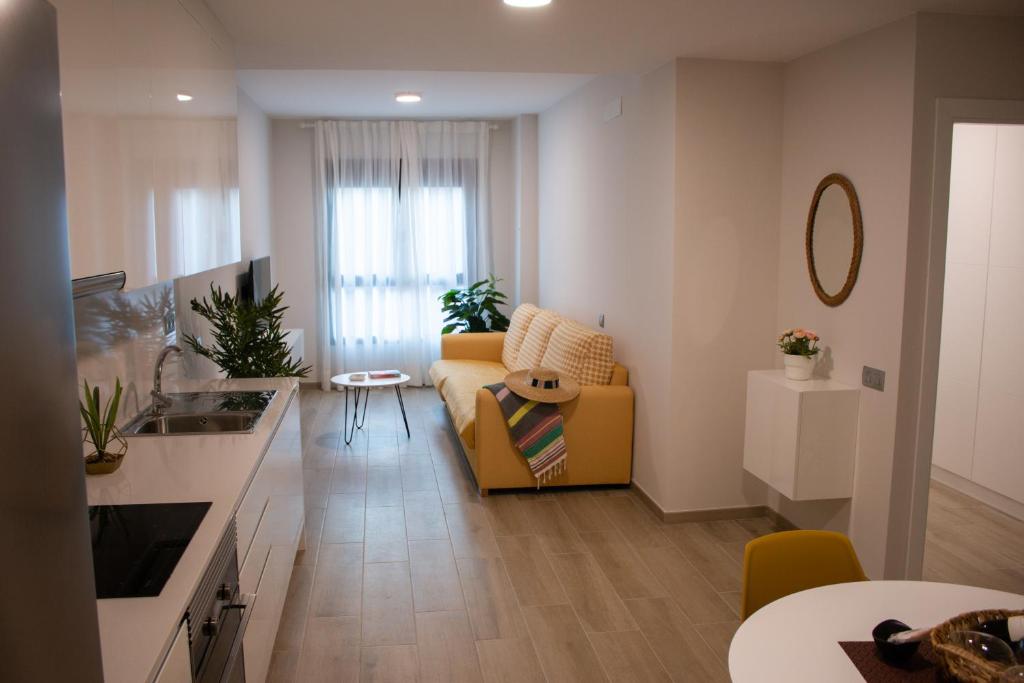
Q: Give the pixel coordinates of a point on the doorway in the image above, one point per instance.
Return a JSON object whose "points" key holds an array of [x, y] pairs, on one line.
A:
{"points": [[975, 516]]}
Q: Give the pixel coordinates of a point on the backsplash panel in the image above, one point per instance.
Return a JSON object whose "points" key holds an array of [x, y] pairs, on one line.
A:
{"points": [[120, 335]]}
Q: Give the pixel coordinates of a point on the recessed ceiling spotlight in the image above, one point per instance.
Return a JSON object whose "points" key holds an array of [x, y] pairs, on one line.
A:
{"points": [[184, 97], [527, 3], [408, 97]]}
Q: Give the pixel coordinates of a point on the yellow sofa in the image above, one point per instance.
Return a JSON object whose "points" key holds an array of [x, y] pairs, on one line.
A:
{"points": [[598, 424]]}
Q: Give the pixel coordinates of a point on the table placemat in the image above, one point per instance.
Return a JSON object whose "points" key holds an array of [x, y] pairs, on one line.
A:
{"points": [[922, 667]]}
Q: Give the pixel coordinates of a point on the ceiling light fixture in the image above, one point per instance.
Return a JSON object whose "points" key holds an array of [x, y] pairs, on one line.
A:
{"points": [[527, 3], [184, 97], [408, 97]]}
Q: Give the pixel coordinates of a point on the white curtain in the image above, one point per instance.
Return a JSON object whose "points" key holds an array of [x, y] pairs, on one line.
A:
{"points": [[402, 216]]}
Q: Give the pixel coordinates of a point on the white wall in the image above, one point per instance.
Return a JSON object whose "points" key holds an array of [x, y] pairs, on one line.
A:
{"points": [[292, 229], [849, 109], [606, 228], [503, 209], [253, 178], [666, 221], [524, 143], [728, 165], [292, 255]]}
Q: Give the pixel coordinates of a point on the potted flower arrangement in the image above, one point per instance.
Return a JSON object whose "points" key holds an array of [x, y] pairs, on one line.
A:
{"points": [[100, 431], [800, 351]]}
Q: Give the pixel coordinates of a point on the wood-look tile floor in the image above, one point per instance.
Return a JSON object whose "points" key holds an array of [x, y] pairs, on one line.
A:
{"points": [[971, 543], [409, 575]]}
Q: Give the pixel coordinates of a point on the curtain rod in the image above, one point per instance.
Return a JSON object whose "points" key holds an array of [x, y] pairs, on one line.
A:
{"points": [[312, 124]]}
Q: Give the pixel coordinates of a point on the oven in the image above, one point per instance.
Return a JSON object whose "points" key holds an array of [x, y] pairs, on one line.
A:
{"points": [[217, 617]]}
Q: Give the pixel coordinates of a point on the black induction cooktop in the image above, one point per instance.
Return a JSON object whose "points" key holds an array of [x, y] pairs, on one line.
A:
{"points": [[136, 547]]}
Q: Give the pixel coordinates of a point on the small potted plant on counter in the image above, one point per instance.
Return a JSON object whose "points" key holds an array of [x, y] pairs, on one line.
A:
{"points": [[800, 351], [100, 431]]}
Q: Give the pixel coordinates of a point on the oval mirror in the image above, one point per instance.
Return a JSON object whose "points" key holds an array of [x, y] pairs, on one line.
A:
{"points": [[835, 239]]}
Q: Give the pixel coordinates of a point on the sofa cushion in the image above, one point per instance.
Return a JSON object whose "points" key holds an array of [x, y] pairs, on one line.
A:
{"points": [[536, 341], [517, 328], [458, 381], [582, 353]]}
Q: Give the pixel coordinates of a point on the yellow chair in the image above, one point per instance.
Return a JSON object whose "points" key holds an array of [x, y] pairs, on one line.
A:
{"points": [[787, 562]]}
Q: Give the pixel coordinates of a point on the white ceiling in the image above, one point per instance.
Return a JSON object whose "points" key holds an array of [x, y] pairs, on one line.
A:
{"points": [[475, 57], [371, 94], [568, 36]]}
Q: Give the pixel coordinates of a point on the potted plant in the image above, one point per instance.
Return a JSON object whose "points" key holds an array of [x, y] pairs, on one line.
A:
{"points": [[800, 351], [249, 339], [100, 432], [474, 309]]}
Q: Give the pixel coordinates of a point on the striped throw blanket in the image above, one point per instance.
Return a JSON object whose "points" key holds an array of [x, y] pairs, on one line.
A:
{"points": [[536, 429]]}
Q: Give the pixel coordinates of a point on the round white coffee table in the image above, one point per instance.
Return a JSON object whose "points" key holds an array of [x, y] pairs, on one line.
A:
{"points": [[796, 638], [362, 389]]}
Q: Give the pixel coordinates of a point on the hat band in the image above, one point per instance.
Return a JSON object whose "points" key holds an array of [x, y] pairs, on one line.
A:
{"points": [[546, 384]]}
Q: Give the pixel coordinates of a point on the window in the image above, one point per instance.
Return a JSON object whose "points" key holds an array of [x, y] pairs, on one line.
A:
{"points": [[373, 276]]}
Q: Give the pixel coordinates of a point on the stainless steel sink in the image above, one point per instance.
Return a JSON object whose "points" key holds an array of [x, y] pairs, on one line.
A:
{"points": [[233, 412], [196, 424]]}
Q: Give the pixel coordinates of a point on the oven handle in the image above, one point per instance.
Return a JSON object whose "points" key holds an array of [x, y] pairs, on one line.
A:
{"points": [[245, 602]]}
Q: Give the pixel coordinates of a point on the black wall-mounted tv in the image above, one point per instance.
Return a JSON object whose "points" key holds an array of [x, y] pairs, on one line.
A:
{"points": [[255, 285]]}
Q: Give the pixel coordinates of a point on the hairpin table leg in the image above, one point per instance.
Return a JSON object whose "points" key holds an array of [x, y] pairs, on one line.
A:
{"points": [[366, 402], [401, 403], [350, 433]]}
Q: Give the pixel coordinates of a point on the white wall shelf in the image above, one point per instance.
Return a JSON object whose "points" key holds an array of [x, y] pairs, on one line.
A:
{"points": [[801, 437]]}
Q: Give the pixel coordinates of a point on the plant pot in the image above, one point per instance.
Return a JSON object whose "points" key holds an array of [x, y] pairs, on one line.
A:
{"points": [[799, 367], [103, 464]]}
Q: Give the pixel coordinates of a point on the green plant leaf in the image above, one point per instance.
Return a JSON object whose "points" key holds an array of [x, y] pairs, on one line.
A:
{"points": [[474, 309]]}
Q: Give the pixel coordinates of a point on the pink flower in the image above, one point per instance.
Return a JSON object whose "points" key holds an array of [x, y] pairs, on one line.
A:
{"points": [[811, 334], [799, 334]]}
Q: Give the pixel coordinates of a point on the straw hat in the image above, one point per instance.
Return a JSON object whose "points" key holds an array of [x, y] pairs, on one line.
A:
{"points": [[543, 384]]}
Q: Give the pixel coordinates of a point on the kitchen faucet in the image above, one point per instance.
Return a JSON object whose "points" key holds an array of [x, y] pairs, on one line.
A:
{"points": [[159, 399]]}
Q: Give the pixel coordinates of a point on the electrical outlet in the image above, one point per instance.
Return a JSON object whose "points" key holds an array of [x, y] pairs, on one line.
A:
{"points": [[169, 322], [613, 109], [600, 320], [873, 378]]}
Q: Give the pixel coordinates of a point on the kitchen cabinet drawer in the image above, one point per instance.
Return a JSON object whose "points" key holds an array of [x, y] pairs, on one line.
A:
{"points": [[270, 522], [271, 510]]}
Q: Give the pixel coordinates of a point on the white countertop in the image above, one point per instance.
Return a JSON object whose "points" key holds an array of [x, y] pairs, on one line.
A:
{"points": [[135, 633]]}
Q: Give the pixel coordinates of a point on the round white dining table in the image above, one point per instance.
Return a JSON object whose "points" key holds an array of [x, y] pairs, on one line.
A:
{"points": [[796, 638]]}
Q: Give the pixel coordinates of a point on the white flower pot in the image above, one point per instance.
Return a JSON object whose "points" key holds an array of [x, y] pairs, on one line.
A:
{"points": [[799, 367]]}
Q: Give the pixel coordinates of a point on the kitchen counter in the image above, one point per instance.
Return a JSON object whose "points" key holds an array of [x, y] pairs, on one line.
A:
{"points": [[135, 633]]}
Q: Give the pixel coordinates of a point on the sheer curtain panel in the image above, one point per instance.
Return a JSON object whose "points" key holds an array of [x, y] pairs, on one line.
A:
{"points": [[401, 216]]}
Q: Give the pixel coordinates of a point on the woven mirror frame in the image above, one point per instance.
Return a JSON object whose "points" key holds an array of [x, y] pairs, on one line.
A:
{"points": [[835, 299]]}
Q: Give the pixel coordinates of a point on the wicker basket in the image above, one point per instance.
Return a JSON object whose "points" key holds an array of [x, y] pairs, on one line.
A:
{"points": [[958, 663]]}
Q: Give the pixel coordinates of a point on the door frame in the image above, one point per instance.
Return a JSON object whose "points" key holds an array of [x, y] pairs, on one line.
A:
{"points": [[916, 416]]}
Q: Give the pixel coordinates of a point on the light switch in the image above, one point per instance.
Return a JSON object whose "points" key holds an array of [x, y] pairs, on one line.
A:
{"points": [[600, 320], [873, 378]]}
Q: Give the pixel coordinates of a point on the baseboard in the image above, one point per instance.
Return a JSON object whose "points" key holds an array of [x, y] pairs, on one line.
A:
{"points": [[710, 514], [1007, 506]]}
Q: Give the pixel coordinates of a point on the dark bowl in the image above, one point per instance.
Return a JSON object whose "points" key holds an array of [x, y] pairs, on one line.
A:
{"points": [[893, 652]]}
